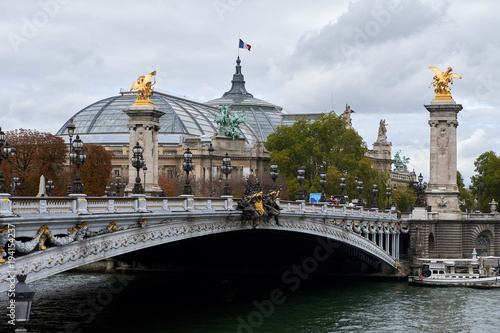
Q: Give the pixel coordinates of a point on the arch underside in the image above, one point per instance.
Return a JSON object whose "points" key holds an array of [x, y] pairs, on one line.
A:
{"points": [[57, 259]]}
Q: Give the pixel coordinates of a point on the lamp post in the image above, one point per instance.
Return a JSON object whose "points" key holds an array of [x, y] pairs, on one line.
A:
{"points": [[211, 153], [322, 182], [77, 157], [226, 169], [144, 169], [50, 186], [300, 177], [420, 188], [107, 190], [187, 166], [342, 187], [394, 203], [137, 163], [4, 155], [360, 189], [22, 298], [375, 195], [15, 184], [274, 173], [71, 130], [388, 195], [118, 184], [8, 150]]}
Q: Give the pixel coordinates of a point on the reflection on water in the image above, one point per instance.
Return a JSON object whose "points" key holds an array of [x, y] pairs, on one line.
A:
{"points": [[161, 302]]}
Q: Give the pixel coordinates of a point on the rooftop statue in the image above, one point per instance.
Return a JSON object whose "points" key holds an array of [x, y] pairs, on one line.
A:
{"points": [[347, 116], [400, 163], [229, 123], [144, 88], [382, 131], [441, 81]]}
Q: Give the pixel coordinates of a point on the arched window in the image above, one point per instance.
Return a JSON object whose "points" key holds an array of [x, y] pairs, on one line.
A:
{"points": [[482, 245]]}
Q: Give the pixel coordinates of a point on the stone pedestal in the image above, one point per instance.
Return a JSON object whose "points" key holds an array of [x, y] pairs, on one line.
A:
{"points": [[442, 190], [144, 125]]}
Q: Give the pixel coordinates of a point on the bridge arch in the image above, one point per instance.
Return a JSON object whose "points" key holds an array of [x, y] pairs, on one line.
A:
{"points": [[114, 242]]}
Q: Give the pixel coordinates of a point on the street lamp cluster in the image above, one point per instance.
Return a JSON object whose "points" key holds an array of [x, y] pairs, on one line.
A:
{"points": [[226, 169], [4, 154]]}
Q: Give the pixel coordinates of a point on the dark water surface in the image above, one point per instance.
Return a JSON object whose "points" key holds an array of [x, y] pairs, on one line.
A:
{"points": [[173, 302]]}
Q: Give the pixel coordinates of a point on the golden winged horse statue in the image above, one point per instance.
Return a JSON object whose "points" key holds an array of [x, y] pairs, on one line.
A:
{"points": [[441, 81], [144, 88]]}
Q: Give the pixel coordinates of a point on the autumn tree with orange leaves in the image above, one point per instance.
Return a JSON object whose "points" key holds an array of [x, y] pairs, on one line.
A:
{"points": [[96, 171], [37, 154]]}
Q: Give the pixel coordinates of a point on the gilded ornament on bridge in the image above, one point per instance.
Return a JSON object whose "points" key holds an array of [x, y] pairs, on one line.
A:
{"points": [[441, 81], [144, 89]]}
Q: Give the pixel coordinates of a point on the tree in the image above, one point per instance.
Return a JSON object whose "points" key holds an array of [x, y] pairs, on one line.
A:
{"points": [[37, 154], [324, 144], [96, 171], [464, 196], [485, 184]]}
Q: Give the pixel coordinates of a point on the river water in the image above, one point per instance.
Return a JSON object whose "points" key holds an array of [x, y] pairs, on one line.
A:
{"points": [[174, 302]]}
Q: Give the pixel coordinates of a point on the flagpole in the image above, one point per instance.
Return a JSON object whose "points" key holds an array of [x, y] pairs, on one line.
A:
{"points": [[239, 44]]}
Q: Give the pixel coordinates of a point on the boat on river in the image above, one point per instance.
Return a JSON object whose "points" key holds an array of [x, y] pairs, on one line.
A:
{"points": [[478, 272]]}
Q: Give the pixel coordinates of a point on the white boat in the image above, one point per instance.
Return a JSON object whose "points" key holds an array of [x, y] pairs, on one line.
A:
{"points": [[479, 272]]}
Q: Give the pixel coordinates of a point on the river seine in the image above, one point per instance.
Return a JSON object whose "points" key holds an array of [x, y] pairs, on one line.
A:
{"points": [[174, 302]]}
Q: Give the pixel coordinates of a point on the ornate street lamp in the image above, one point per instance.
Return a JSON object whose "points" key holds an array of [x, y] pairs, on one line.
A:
{"points": [[360, 190], [342, 187], [15, 184], [211, 153], [71, 130], [274, 173], [77, 157], [3, 155], [420, 188], [375, 195], [118, 184], [144, 169], [322, 182], [187, 166], [388, 195], [11, 151], [107, 191], [22, 297], [300, 177], [226, 169], [137, 163], [50, 186], [394, 203]]}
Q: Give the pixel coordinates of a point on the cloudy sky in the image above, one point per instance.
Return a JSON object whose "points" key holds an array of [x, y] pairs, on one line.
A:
{"points": [[58, 56]]}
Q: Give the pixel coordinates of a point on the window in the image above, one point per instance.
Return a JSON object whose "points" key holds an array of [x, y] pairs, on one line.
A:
{"points": [[482, 245]]}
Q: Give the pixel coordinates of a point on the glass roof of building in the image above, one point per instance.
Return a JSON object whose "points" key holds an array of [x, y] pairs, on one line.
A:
{"points": [[182, 116]]}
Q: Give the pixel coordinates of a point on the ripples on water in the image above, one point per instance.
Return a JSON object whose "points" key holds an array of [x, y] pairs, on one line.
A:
{"points": [[158, 302]]}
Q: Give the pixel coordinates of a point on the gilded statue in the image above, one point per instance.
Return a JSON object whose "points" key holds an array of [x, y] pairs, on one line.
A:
{"points": [[441, 81], [144, 87]]}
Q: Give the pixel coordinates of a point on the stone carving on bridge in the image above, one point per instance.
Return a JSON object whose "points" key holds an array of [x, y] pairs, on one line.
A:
{"points": [[229, 124], [257, 207], [44, 234]]}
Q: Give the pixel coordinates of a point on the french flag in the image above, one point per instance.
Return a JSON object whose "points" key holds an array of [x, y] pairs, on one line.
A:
{"points": [[245, 46]]}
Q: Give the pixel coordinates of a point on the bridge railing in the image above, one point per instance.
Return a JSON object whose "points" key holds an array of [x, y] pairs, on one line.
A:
{"points": [[81, 204], [296, 206]]}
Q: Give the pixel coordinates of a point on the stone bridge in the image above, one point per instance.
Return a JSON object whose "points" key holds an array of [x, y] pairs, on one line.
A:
{"points": [[44, 236]]}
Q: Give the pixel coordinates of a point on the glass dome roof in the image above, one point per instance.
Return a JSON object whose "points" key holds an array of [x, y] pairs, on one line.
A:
{"points": [[104, 119], [263, 116]]}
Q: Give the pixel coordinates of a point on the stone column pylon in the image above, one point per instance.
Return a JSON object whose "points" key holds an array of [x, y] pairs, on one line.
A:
{"points": [[442, 190], [144, 124]]}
